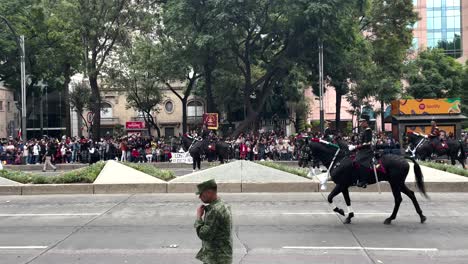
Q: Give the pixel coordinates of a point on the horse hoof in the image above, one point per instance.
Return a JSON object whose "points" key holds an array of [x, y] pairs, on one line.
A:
{"points": [[423, 219], [339, 211], [387, 221]]}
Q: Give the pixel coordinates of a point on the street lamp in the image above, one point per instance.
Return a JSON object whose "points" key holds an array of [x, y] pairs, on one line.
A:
{"points": [[20, 44], [321, 84]]}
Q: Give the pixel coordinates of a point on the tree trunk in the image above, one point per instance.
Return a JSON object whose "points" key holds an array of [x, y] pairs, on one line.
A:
{"points": [[95, 107], [66, 92], [80, 124], [210, 104], [382, 115], [184, 115], [338, 110]]}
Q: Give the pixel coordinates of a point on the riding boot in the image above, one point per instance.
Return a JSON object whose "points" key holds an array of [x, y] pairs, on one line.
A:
{"points": [[362, 179]]}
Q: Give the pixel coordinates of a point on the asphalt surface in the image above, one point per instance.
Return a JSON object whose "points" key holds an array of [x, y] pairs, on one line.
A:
{"points": [[269, 228]]}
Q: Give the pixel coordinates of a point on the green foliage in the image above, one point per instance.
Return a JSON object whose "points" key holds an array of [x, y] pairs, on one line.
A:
{"points": [[134, 72], [165, 175], [433, 74], [446, 167], [83, 175], [51, 44], [297, 171]]}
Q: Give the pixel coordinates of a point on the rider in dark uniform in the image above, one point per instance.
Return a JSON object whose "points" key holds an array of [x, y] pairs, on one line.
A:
{"points": [[328, 134], [365, 153], [435, 133]]}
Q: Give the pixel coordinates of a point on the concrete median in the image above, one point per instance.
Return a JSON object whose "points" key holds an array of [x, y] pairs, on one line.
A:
{"points": [[37, 189], [130, 188]]}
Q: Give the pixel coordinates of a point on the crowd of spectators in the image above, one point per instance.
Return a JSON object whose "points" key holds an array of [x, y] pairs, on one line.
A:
{"points": [[248, 146]]}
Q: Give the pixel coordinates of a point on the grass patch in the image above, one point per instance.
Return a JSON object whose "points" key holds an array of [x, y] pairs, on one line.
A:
{"points": [[165, 175], [84, 175], [297, 171], [446, 167]]}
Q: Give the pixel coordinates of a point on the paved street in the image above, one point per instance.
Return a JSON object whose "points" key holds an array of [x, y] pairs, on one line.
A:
{"points": [[269, 228]]}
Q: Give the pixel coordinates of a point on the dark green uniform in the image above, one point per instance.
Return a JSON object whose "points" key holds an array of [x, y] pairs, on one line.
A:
{"points": [[215, 233]]}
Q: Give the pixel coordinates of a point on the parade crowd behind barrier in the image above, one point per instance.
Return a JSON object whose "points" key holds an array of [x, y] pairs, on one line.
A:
{"points": [[248, 146]]}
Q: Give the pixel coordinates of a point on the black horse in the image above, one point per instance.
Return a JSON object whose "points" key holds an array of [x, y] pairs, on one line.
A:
{"points": [[425, 148], [392, 168], [200, 147]]}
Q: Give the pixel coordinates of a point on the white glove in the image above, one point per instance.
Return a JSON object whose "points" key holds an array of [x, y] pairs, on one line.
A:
{"points": [[351, 147]]}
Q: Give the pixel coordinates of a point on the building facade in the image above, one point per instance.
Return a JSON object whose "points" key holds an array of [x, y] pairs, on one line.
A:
{"points": [[9, 114], [117, 118], [443, 24]]}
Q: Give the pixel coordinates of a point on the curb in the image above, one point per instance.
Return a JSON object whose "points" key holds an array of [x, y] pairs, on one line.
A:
{"points": [[248, 187]]}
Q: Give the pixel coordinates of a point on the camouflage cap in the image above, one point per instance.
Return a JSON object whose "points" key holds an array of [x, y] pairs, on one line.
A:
{"points": [[207, 185]]}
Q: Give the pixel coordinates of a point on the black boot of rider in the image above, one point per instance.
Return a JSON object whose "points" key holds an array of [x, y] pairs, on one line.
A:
{"points": [[361, 184]]}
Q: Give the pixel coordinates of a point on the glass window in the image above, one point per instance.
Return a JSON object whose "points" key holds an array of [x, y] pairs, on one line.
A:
{"points": [[453, 13], [169, 132], [430, 3], [437, 13], [430, 23], [8, 106], [457, 22], [452, 3], [1, 105], [106, 110], [169, 106], [437, 23], [195, 108]]}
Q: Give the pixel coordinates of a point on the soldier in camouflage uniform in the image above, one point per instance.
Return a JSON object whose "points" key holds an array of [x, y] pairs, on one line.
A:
{"points": [[213, 226]]}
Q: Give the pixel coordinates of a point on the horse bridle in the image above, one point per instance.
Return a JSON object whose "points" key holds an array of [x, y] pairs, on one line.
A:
{"points": [[413, 152]]}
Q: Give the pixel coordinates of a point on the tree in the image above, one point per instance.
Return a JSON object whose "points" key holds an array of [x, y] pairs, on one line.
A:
{"points": [[433, 74], [133, 71], [262, 37], [104, 25], [49, 33], [79, 100], [388, 25]]}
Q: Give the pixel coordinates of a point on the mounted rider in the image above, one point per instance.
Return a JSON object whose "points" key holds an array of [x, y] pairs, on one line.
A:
{"points": [[365, 152]]}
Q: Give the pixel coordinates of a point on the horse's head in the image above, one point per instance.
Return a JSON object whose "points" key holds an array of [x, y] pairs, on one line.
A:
{"points": [[322, 151], [185, 142], [414, 137]]}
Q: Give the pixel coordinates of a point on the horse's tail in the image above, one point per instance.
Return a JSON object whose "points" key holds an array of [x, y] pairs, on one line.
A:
{"points": [[419, 176], [462, 155]]}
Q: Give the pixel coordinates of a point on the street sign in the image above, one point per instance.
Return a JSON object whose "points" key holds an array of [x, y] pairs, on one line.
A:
{"points": [[210, 120], [135, 125], [90, 117]]}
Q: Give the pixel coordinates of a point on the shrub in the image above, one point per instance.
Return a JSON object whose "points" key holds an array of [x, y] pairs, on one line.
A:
{"points": [[446, 167]]}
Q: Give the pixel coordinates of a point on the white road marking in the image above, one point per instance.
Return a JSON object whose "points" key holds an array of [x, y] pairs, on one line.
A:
{"points": [[330, 213], [46, 215], [364, 248], [20, 247]]}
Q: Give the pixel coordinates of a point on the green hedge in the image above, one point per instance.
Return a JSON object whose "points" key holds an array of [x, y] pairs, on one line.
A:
{"points": [[297, 171], [446, 167], [83, 175]]}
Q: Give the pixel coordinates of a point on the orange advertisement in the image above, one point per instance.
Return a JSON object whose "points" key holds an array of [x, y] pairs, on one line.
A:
{"points": [[426, 130], [426, 106]]}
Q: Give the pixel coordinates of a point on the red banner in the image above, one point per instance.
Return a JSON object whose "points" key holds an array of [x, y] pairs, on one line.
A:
{"points": [[135, 125], [211, 120]]}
